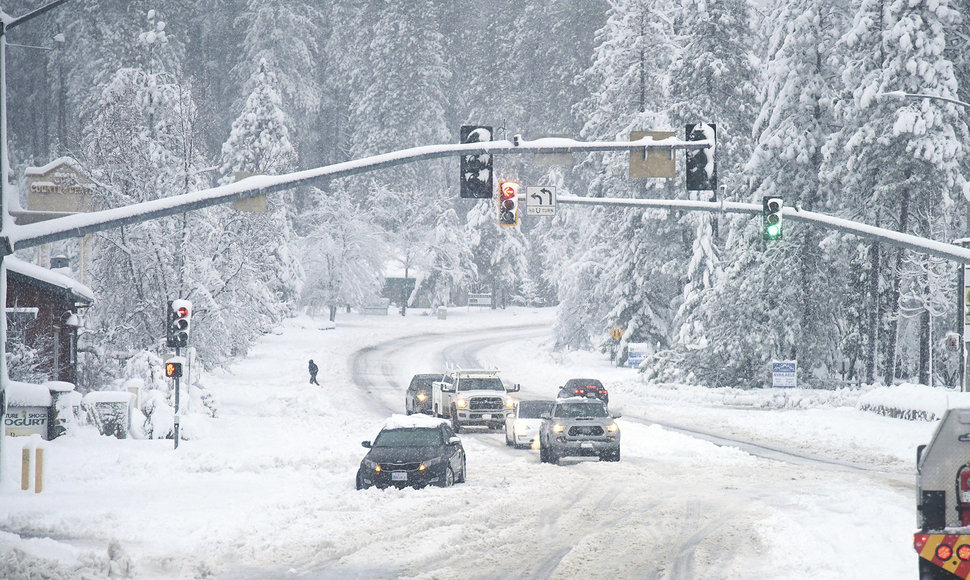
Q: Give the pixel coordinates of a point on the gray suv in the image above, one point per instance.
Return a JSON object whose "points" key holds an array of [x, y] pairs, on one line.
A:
{"points": [[578, 427]]}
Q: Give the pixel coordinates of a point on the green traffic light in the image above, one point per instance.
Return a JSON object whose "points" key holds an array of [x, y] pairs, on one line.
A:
{"points": [[773, 231]]}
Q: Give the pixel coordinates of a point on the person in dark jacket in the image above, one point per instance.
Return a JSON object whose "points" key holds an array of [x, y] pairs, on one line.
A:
{"points": [[313, 373]]}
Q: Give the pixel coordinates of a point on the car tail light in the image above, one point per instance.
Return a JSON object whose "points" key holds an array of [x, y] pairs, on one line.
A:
{"points": [[944, 552]]}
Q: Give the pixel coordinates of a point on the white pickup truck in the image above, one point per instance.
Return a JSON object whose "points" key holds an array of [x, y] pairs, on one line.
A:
{"points": [[472, 397]]}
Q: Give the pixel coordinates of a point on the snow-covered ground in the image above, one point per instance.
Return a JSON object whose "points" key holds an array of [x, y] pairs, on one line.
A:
{"points": [[266, 488]]}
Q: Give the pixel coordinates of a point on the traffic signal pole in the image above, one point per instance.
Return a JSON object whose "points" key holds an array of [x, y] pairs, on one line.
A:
{"points": [[883, 235], [62, 228], [7, 22], [177, 390]]}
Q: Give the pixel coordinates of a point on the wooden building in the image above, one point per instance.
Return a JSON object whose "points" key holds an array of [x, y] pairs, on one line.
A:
{"points": [[42, 314]]}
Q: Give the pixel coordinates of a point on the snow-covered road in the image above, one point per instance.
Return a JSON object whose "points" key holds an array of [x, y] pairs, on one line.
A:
{"points": [[266, 489]]}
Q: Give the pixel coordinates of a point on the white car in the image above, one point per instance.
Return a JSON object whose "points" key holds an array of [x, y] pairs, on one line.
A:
{"points": [[522, 424]]}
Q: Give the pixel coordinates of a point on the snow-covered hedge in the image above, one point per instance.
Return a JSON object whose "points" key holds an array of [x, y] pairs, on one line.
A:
{"points": [[912, 402]]}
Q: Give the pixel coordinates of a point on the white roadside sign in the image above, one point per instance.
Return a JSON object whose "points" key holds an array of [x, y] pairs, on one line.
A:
{"points": [[783, 373], [540, 200]]}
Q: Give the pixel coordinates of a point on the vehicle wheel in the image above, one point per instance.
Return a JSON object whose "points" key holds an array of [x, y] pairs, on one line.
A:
{"points": [[611, 456], [455, 425], [543, 453], [508, 442], [360, 481], [553, 457], [464, 471], [449, 478], [406, 410]]}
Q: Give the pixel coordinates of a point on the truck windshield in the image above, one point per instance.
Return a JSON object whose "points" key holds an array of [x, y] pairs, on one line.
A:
{"points": [[481, 384], [581, 410]]}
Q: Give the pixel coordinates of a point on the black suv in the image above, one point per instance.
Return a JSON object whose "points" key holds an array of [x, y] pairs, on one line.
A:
{"points": [[584, 388], [418, 397], [413, 452]]}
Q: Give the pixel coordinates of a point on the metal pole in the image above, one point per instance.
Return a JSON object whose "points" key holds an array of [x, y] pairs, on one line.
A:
{"points": [[962, 313], [177, 389]]}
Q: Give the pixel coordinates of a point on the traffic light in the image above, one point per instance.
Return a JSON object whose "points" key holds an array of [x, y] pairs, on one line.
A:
{"points": [[179, 323], [508, 203], [173, 369], [701, 167], [476, 170], [771, 218]]}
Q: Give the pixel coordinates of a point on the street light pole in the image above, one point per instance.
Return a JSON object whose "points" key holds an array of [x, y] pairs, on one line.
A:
{"points": [[6, 223], [962, 325]]}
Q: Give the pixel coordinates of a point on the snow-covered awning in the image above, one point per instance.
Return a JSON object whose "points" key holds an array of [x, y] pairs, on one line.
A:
{"points": [[78, 290]]}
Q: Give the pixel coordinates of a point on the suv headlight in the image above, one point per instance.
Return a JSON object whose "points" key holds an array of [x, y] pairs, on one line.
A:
{"points": [[461, 403], [558, 428], [509, 402], [372, 465], [613, 428], [422, 397]]}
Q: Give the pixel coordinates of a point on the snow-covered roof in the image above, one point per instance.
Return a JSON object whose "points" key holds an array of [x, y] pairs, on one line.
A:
{"points": [[411, 421], [36, 272], [53, 164], [27, 395]]}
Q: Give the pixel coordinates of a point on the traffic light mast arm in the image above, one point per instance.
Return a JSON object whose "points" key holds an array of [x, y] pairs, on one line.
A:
{"points": [[30, 235], [908, 241]]}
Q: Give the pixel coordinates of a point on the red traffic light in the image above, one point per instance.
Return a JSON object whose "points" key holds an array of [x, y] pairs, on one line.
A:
{"points": [[182, 311], [508, 211]]}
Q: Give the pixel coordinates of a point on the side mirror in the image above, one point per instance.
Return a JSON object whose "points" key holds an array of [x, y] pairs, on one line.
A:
{"points": [[919, 455], [454, 441], [545, 415], [617, 415], [515, 388], [366, 444]]}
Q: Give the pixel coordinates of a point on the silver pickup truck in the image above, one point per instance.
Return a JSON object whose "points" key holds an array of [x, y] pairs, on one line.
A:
{"points": [[579, 427]]}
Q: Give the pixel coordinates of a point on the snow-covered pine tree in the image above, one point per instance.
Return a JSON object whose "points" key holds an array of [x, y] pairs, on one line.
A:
{"points": [[897, 163], [258, 247], [640, 280], [711, 79]]}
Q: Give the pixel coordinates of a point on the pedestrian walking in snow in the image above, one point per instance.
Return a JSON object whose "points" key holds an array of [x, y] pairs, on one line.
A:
{"points": [[313, 373]]}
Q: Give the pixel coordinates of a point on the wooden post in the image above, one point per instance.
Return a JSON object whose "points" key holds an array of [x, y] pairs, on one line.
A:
{"points": [[39, 471], [25, 469]]}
